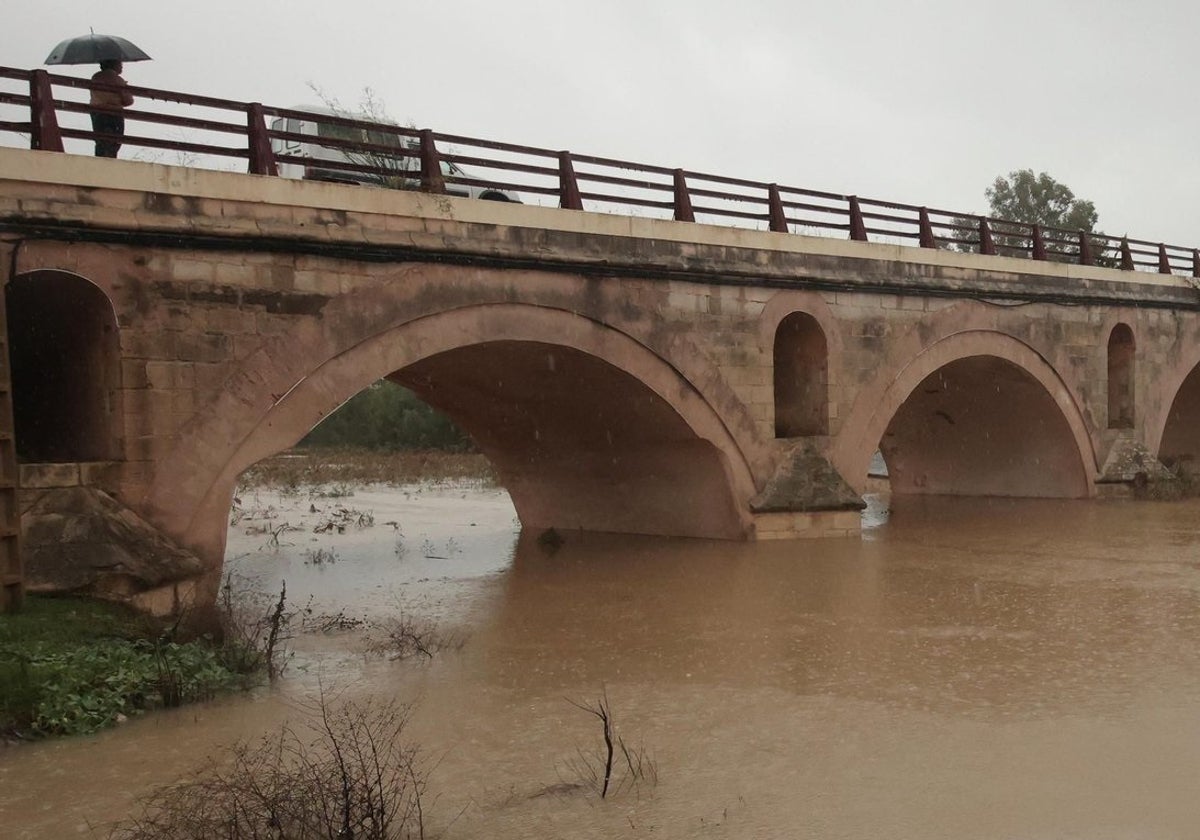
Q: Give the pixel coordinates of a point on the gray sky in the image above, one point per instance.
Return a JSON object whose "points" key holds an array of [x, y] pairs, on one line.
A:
{"points": [[923, 102]]}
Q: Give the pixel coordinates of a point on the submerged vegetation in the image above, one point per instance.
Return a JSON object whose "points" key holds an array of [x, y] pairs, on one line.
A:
{"points": [[1184, 483], [614, 766]]}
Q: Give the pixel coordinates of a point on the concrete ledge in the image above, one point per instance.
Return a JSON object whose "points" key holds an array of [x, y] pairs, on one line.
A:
{"points": [[808, 525], [103, 474], [45, 476]]}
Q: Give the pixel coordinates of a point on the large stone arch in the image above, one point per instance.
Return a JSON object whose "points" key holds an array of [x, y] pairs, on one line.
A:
{"points": [[878, 405], [193, 487], [1175, 438], [1170, 400]]}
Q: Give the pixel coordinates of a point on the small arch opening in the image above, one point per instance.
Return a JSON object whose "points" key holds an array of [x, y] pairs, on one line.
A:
{"points": [[1121, 349], [66, 368], [801, 377]]}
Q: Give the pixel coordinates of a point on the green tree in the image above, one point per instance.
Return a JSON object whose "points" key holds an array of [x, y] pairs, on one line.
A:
{"points": [[1038, 199], [1030, 198], [388, 417]]}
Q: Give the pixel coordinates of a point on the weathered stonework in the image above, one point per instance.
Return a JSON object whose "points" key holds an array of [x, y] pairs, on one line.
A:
{"points": [[620, 372], [79, 540], [811, 525], [805, 481]]}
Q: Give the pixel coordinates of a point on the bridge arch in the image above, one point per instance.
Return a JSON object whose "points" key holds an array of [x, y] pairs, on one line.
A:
{"points": [[668, 457], [1177, 441], [1022, 433], [65, 353], [1171, 404]]}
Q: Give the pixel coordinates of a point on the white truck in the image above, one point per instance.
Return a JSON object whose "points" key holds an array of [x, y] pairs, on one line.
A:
{"points": [[399, 172]]}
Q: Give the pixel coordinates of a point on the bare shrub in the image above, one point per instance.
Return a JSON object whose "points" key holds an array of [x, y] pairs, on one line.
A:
{"points": [[341, 518], [276, 531], [255, 628], [332, 622], [347, 773], [1183, 483], [612, 767], [406, 636]]}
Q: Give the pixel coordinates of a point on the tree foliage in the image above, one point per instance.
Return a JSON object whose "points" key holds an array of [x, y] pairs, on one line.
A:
{"points": [[388, 417], [1038, 199], [1035, 198]]}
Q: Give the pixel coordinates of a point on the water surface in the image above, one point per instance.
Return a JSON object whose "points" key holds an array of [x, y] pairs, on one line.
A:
{"points": [[967, 669]]}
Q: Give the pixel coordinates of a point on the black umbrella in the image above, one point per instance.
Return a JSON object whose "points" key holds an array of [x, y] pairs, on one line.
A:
{"points": [[93, 48]]}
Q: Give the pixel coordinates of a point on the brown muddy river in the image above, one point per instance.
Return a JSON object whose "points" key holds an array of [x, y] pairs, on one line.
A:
{"points": [[966, 670]]}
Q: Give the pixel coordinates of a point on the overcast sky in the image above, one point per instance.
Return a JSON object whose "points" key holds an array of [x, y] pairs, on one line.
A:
{"points": [[923, 102]]}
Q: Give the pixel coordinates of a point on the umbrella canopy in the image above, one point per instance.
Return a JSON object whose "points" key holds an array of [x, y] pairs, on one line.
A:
{"points": [[93, 48]]}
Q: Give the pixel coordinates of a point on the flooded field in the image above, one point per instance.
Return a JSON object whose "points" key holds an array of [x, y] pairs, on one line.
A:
{"points": [[966, 670]]}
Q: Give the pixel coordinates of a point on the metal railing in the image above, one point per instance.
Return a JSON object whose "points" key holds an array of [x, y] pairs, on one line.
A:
{"points": [[267, 140]]}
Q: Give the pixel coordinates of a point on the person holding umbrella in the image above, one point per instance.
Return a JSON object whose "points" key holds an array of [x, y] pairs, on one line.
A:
{"points": [[107, 103], [109, 97]]}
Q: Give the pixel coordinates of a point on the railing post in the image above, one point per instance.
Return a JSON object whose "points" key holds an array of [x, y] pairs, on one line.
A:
{"points": [[262, 158], [775, 204], [1126, 255], [987, 245], [1085, 249], [1164, 264], [568, 187], [927, 238], [431, 165], [1039, 243], [683, 201], [858, 227], [44, 132], [1196, 262]]}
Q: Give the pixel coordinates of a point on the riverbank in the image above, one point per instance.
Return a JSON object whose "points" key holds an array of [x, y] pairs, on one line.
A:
{"points": [[73, 666], [347, 467]]}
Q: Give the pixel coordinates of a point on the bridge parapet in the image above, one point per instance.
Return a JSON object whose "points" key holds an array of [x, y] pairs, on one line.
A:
{"points": [[338, 146]]}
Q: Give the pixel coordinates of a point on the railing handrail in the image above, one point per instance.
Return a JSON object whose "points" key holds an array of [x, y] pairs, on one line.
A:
{"points": [[419, 159]]}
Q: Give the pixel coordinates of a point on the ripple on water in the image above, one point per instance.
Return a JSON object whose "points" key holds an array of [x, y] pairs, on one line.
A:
{"points": [[970, 669]]}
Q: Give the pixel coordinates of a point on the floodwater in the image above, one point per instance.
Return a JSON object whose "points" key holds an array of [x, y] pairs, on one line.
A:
{"points": [[968, 669]]}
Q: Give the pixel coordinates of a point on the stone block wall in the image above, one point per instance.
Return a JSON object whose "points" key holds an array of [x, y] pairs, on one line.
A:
{"points": [[230, 292]]}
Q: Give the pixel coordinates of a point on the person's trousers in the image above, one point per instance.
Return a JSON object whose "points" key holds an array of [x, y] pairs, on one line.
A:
{"points": [[112, 124]]}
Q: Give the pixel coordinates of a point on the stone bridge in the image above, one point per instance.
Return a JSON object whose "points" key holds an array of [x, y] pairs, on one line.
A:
{"points": [[170, 327]]}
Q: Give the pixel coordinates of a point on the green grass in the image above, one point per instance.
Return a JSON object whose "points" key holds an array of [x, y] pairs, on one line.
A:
{"points": [[59, 620], [71, 666]]}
